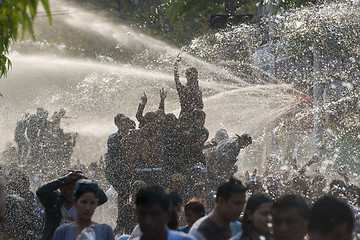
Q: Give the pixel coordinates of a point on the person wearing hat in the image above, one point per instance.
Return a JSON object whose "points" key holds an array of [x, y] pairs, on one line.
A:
{"points": [[86, 197], [190, 95], [59, 206]]}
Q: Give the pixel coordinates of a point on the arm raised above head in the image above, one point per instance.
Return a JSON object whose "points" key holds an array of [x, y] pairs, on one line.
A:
{"points": [[176, 72]]}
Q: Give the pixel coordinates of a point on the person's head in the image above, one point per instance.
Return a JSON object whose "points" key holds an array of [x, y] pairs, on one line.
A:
{"points": [[153, 208], [191, 74], [185, 120], [338, 189], [290, 214], [230, 199], [257, 215], [220, 135], [244, 140], [136, 186], [199, 117], [150, 117], [193, 211], [117, 119], [171, 120], [123, 123], [87, 196], [176, 203], [330, 219]]}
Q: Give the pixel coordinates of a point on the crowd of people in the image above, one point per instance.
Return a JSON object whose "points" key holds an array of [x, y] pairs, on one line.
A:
{"points": [[171, 183], [42, 141]]}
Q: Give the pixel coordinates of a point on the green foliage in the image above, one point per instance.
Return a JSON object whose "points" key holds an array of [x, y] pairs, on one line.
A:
{"points": [[12, 14]]}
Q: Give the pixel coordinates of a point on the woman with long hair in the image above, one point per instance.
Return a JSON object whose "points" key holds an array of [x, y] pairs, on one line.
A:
{"points": [[87, 197], [256, 223]]}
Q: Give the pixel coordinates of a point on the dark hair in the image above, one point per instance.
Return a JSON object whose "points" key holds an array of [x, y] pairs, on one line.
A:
{"points": [[338, 188], [293, 201], [191, 70], [328, 213], [150, 117], [85, 186], [196, 113], [195, 206], [227, 188], [152, 195], [252, 204], [117, 118], [175, 198]]}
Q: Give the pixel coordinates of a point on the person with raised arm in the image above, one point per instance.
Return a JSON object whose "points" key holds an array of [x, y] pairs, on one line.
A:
{"points": [[190, 95], [86, 197]]}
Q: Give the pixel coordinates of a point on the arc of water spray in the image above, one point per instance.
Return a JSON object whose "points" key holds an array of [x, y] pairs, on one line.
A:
{"points": [[128, 36]]}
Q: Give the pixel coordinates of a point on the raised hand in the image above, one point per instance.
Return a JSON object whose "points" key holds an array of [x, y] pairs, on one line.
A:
{"points": [[143, 99], [163, 93]]}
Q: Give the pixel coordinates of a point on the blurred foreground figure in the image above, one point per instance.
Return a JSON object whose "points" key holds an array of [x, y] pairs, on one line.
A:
{"points": [[331, 219], [87, 197], [256, 219], [20, 137], [153, 208], [230, 201], [290, 214]]}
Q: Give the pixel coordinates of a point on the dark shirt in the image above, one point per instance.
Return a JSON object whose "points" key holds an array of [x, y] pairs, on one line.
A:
{"points": [[51, 200], [115, 160], [209, 230]]}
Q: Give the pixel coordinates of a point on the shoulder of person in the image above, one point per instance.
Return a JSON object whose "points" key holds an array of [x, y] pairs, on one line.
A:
{"points": [[176, 235]]}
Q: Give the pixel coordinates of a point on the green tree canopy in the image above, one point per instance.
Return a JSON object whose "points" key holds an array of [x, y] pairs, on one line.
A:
{"points": [[14, 13]]}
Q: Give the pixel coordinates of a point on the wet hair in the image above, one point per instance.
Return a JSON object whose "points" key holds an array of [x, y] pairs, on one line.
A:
{"points": [[328, 213], [195, 206], [150, 117], [251, 205], [153, 195], [293, 201], [196, 113], [85, 186], [227, 188], [118, 117], [191, 71], [338, 188], [170, 117]]}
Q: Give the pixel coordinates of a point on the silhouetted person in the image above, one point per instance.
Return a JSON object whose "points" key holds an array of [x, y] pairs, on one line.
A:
{"points": [[20, 137], [117, 171], [190, 95], [59, 207], [36, 124]]}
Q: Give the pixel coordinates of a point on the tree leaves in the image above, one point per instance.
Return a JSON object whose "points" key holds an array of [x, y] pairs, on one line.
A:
{"points": [[12, 14]]}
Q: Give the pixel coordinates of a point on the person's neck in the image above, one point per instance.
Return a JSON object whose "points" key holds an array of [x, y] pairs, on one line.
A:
{"points": [[254, 234], [80, 224], [219, 220], [162, 236], [68, 205]]}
